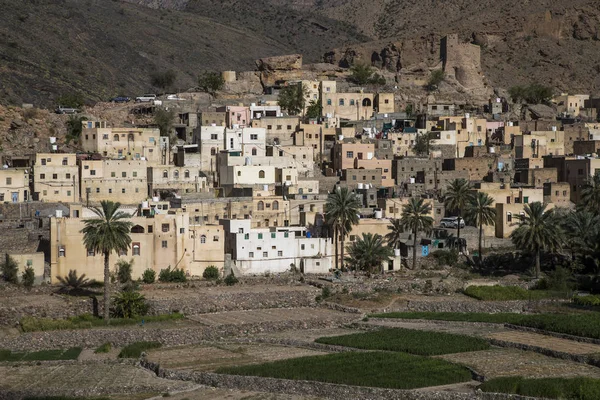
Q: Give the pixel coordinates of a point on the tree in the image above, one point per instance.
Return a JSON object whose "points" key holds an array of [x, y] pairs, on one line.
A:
{"points": [[124, 269], [211, 82], [163, 80], [416, 218], [421, 146], [314, 109], [71, 100], [590, 195], [107, 233], [9, 269], [582, 237], [396, 228], [532, 94], [129, 304], [28, 277], [480, 211], [342, 211], [73, 284], [458, 195], [367, 253], [436, 77], [362, 74], [292, 98], [538, 230], [164, 120]]}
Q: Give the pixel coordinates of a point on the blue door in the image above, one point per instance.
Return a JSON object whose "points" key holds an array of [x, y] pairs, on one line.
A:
{"points": [[15, 197]]}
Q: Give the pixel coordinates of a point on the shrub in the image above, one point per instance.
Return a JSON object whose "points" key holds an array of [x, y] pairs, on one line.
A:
{"points": [[325, 292], [73, 100], [211, 273], [149, 276], [172, 275], [135, 350], [561, 280], [164, 120], [10, 269], [231, 280], [28, 277], [72, 284], [124, 270], [129, 304], [587, 301], [581, 388], [211, 82], [446, 257], [105, 348], [532, 94], [436, 77]]}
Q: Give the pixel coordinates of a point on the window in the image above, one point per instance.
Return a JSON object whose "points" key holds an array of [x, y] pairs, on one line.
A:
{"points": [[215, 238], [165, 174], [269, 127], [68, 193], [302, 246], [509, 217], [186, 174], [260, 206], [43, 161], [134, 173], [124, 174], [341, 102], [203, 239], [97, 190], [328, 101], [273, 235], [279, 127], [61, 252], [164, 244], [261, 174], [136, 249], [289, 127], [91, 253], [280, 253], [165, 227], [150, 228], [352, 238], [176, 174], [92, 172], [113, 174], [42, 176], [564, 192], [109, 190], [68, 176], [123, 190], [246, 236], [275, 205], [526, 199], [351, 102], [387, 101], [254, 151], [251, 254], [54, 176], [213, 151], [265, 254], [349, 154], [9, 181], [255, 136], [580, 171], [286, 234], [507, 199]]}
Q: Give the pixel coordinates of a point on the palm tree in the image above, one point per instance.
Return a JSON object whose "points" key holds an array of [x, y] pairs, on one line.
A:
{"points": [[458, 195], [107, 233], [73, 284], [538, 230], [396, 230], [480, 210], [415, 217], [342, 210], [368, 252], [590, 195], [582, 231]]}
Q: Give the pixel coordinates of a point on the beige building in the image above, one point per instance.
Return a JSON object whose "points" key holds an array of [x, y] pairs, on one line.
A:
{"points": [[385, 166], [158, 241], [126, 143], [14, 185], [344, 153], [124, 181], [56, 177], [279, 130], [176, 179], [270, 211]]}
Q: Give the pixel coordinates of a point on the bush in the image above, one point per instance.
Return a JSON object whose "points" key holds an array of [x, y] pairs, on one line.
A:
{"points": [[135, 350], [10, 270], [436, 77], [211, 82], [560, 280], [28, 277], [446, 257], [129, 304], [124, 270], [105, 348], [211, 273], [172, 275], [73, 100], [532, 94], [231, 280], [587, 301], [149, 276], [72, 284]]}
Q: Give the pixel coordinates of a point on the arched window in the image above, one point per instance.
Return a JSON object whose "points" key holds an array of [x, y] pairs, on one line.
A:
{"points": [[213, 151], [509, 217], [254, 151], [165, 174], [186, 173], [366, 103], [275, 205], [203, 239], [351, 102], [130, 137], [328, 102], [261, 174], [116, 138], [260, 206], [266, 222], [341, 102], [137, 229], [136, 249], [176, 174], [217, 217], [274, 222]]}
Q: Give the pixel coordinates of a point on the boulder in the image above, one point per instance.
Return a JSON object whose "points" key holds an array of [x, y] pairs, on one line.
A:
{"points": [[280, 63]]}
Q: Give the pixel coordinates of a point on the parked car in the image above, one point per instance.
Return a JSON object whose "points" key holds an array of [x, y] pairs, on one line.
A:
{"points": [[66, 110], [145, 98], [452, 222], [120, 99], [174, 97]]}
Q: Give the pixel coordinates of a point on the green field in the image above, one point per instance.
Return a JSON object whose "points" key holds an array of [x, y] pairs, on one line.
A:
{"points": [[582, 324], [44, 355], [551, 388], [375, 369], [504, 293], [409, 341], [86, 321]]}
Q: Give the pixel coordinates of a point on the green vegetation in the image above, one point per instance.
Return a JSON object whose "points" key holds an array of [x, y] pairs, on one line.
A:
{"points": [[149, 276], [105, 348], [129, 304], [587, 301], [458, 196], [28, 277], [163, 80], [74, 128], [124, 269], [211, 82], [480, 210], [375, 369], [446, 257], [44, 355], [368, 252], [437, 76], [292, 98], [415, 217], [86, 321], [314, 109], [548, 388], [409, 341], [9, 270], [211, 273], [532, 94], [421, 146], [71, 100], [72, 284], [164, 119], [341, 212], [136, 349], [172, 275], [582, 324], [504, 293], [230, 279], [362, 73]]}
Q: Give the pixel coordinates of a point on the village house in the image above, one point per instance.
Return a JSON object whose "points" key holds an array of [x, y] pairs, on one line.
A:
{"points": [[345, 152], [14, 185], [212, 118], [270, 211], [385, 166], [235, 116], [204, 210], [123, 181], [279, 130], [56, 177], [127, 143], [574, 170], [172, 178]]}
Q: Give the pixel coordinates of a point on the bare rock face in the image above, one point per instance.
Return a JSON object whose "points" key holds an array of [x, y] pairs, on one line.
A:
{"points": [[280, 63], [390, 58], [246, 83], [348, 59], [586, 28]]}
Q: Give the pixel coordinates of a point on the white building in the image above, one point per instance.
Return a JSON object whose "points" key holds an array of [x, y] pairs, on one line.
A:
{"points": [[275, 250]]}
